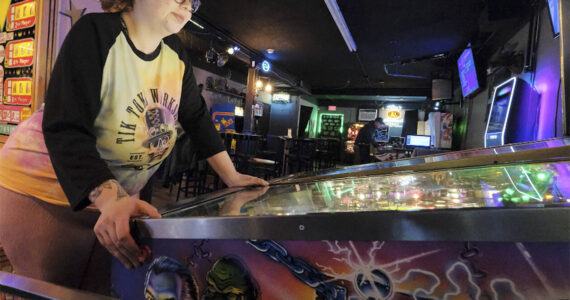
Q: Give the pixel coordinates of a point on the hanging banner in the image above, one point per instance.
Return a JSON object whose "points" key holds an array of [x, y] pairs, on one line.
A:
{"points": [[14, 114], [21, 15], [19, 53], [18, 91], [224, 117]]}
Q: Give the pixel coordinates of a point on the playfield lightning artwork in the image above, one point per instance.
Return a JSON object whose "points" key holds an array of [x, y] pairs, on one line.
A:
{"points": [[267, 269]]}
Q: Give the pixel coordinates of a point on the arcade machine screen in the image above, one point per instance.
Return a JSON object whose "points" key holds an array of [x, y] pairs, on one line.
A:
{"points": [[381, 135], [498, 115], [352, 133]]}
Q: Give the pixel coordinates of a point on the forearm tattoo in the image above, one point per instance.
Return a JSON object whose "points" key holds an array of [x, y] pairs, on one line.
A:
{"points": [[108, 185]]}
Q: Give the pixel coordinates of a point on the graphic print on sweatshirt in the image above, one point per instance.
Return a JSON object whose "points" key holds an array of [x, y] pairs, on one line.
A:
{"points": [[135, 127]]}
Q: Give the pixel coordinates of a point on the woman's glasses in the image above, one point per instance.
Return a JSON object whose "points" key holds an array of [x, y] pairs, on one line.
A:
{"points": [[195, 4]]}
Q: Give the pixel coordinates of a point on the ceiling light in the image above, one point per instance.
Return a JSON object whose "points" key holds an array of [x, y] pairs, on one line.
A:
{"points": [[231, 51], [222, 60], [265, 66], [268, 88], [341, 24], [270, 51], [259, 84]]}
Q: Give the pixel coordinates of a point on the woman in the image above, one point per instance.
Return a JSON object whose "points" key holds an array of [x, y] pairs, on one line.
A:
{"points": [[120, 83]]}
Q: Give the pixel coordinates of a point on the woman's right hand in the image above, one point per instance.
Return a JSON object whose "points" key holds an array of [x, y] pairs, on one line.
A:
{"points": [[112, 227]]}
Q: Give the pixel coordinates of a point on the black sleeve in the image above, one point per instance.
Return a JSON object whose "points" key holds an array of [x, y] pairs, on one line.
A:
{"points": [[194, 116], [71, 106], [365, 135]]}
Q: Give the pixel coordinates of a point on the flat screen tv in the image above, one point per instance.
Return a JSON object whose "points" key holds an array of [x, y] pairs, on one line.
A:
{"points": [[418, 141], [467, 72], [554, 16]]}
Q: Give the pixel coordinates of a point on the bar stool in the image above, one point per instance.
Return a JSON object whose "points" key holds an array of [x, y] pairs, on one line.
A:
{"points": [[268, 158], [307, 155]]}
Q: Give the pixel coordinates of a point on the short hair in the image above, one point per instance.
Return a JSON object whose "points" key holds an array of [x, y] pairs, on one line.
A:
{"points": [[116, 5], [379, 120]]}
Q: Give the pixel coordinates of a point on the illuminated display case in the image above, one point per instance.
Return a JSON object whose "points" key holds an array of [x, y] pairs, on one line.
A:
{"points": [[352, 133], [353, 130], [480, 222]]}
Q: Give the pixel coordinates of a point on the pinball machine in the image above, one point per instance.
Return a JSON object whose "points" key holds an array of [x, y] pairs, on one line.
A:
{"points": [[486, 224]]}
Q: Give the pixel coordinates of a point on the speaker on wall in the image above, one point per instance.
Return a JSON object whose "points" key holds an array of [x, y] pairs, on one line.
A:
{"points": [[441, 89]]}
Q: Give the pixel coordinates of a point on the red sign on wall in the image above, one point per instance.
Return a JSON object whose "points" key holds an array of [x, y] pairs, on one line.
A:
{"points": [[14, 114], [21, 15], [18, 91], [19, 53]]}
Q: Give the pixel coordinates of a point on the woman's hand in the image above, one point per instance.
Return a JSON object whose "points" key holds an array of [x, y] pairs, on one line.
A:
{"points": [[112, 227], [239, 179], [222, 164]]}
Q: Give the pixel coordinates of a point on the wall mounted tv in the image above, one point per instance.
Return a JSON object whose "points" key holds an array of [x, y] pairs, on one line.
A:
{"points": [[467, 72], [554, 16]]}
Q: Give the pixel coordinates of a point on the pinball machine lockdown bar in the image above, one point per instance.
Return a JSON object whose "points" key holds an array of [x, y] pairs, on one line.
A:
{"points": [[484, 224]]}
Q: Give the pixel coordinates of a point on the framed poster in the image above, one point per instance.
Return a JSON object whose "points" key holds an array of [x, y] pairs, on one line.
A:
{"points": [[224, 117], [367, 114]]}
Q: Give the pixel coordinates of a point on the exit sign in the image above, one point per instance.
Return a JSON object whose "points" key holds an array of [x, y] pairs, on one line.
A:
{"points": [[332, 108]]}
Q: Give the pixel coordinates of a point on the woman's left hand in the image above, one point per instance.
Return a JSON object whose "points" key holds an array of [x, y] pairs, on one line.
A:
{"points": [[239, 179], [222, 164]]}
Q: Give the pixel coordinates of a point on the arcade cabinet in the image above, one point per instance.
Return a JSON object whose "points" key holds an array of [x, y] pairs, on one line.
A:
{"points": [[513, 114]]}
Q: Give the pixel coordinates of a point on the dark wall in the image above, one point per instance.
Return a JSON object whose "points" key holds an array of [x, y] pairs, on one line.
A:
{"points": [[283, 116]]}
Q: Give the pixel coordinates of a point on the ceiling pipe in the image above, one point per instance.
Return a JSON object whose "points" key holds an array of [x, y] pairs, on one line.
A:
{"points": [[363, 69]]}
